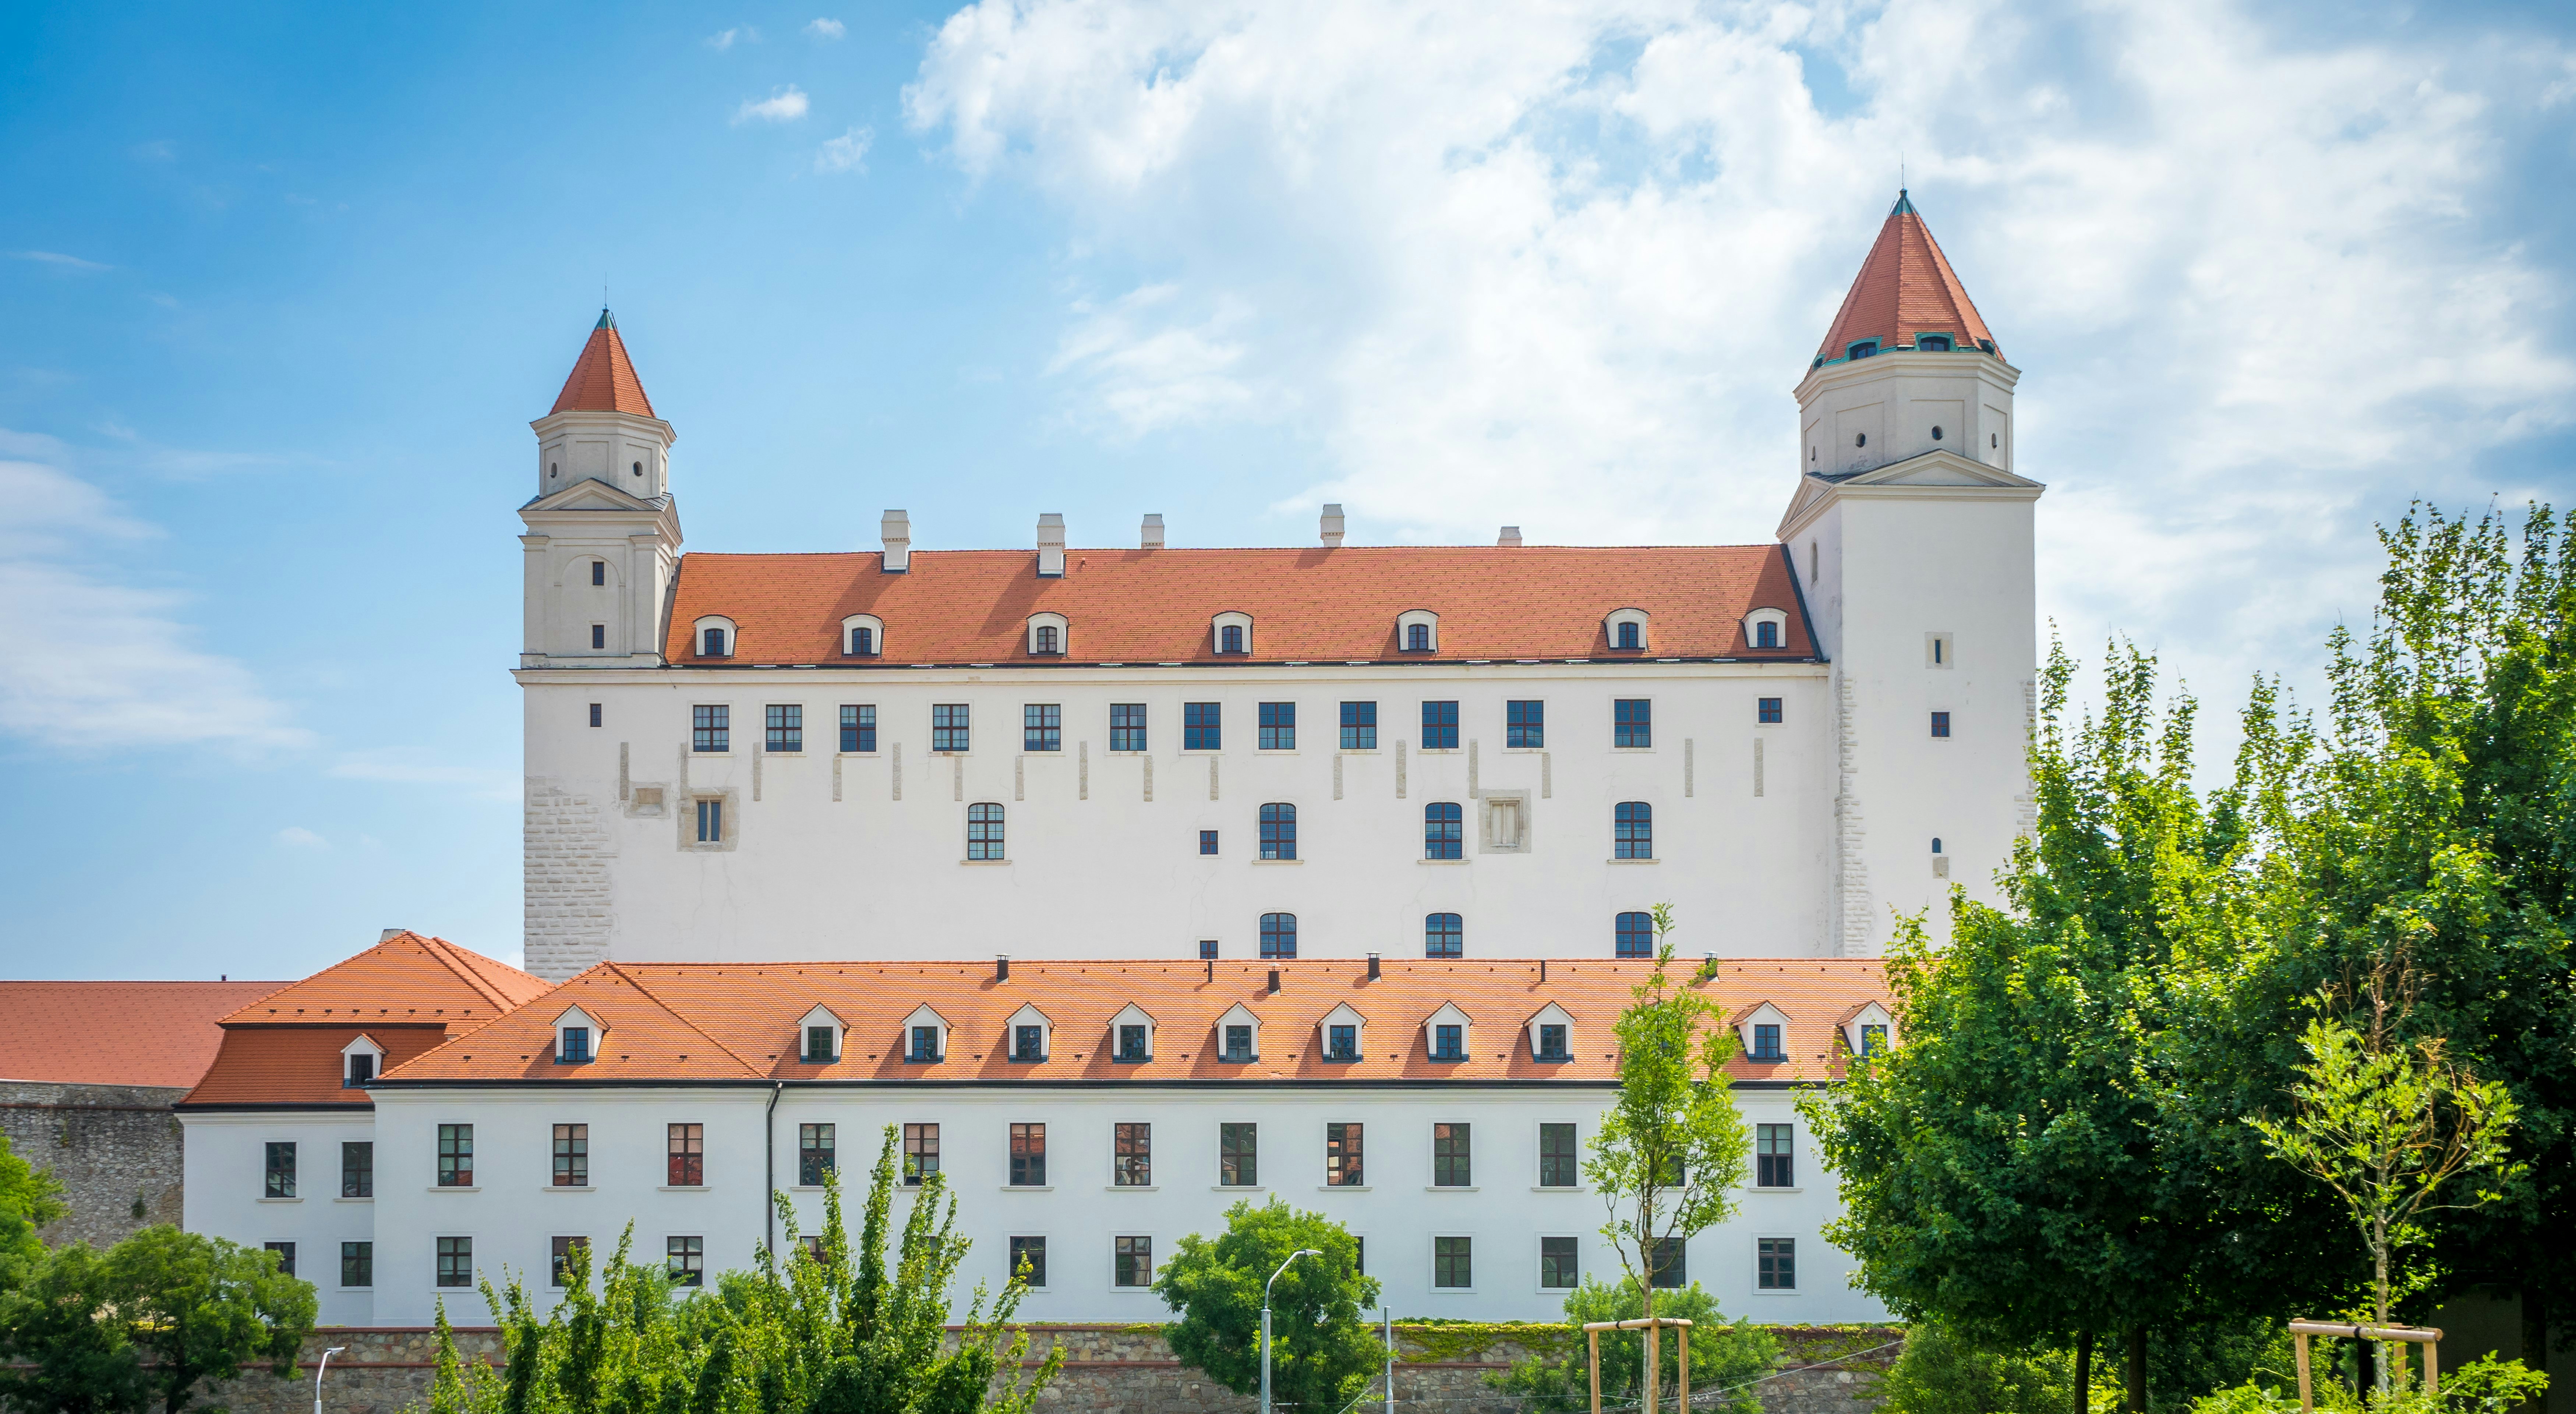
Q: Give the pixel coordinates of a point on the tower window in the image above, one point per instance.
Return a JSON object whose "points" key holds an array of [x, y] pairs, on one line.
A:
{"points": [[1635, 935], [552, 470], [1994, 439], [1633, 830], [1766, 709], [1936, 433], [1936, 844], [1766, 635], [983, 831], [594, 714], [639, 468], [1443, 936], [599, 571], [1932, 343], [1278, 935], [1940, 724], [1207, 841], [1864, 349], [599, 635], [1278, 832], [1207, 949], [1443, 830], [1860, 439]]}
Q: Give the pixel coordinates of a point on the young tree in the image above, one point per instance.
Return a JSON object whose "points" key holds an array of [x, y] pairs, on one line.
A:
{"points": [[1724, 1356], [1321, 1350], [61, 1349], [1669, 1155], [200, 1308]]}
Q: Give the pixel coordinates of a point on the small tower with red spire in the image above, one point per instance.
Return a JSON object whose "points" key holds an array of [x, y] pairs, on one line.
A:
{"points": [[603, 535], [1912, 540]]}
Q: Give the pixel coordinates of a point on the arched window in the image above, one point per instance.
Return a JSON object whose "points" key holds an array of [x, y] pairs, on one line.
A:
{"points": [[1049, 639], [1229, 639], [1936, 844], [1278, 935], [1417, 638], [712, 644], [863, 643], [1443, 830], [1864, 349], [983, 831], [1278, 831], [639, 468], [1766, 635], [1633, 837], [1442, 936], [1628, 635], [1635, 935]]}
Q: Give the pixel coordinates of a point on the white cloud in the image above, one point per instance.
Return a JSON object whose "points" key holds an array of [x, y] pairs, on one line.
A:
{"points": [[846, 153], [786, 105], [725, 39], [96, 663], [301, 838], [58, 259], [827, 29], [406, 766], [1490, 256]]}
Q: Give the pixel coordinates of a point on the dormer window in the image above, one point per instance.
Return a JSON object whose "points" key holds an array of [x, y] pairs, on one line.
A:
{"points": [[1766, 1042], [818, 1045], [1625, 630], [572, 1046], [1446, 1033], [360, 1061], [1762, 1031], [1628, 637], [1551, 1034], [863, 643], [715, 637], [1232, 633], [1238, 1043], [1239, 1035], [1048, 635], [1873, 1038], [1131, 1043], [1417, 638], [1029, 1030], [925, 1037], [1866, 348], [819, 1031], [1932, 343], [1866, 1031], [1341, 1033], [1048, 640], [1229, 639], [1551, 1043], [1417, 631], [1766, 635], [1131, 1036], [862, 636], [1766, 628]]}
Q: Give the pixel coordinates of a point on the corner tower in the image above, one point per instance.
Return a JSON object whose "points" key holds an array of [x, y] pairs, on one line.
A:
{"points": [[1912, 537], [603, 535]]}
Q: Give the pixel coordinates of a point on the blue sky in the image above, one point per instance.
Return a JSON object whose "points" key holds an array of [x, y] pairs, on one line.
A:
{"points": [[280, 289]]}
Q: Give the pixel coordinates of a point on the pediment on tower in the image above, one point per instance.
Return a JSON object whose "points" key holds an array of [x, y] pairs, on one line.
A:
{"points": [[1930, 474], [590, 494]]}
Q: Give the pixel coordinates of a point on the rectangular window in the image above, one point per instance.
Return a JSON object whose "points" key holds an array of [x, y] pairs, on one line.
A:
{"points": [[357, 1264], [818, 1045], [1940, 724], [948, 723], [1278, 726], [1774, 1159], [1279, 831], [1028, 1156], [1635, 935], [285, 1256], [1444, 831], [1671, 1262], [599, 635], [1449, 1167], [1448, 1042], [1359, 726], [685, 1260], [1135, 1261], [562, 1255], [1278, 935], [710, 821], [1766, 709], [1453, 1262], [786, 727], [1776, 1263], [1525, 724], [1126, 726], [920, 1153], [1238, 1155], [1132, 1156], [1556, 1263], [858, 726], [1028, 1043], [1341, 1042], [594, 714], [1202, 726], [1207, 841], [573, 1046], [814, 1156], [1873, 1038], [1766, 1042], [455, 1261], [1042, 727], [1558, 1166], [278, 1178], [1028, 1261], [357, 1168], [572, 1156], [1134, 1045], [1632, 721], [984, 824], [362, 1068], [925, 1046], [456, 1156], [711, 728], [1439, 726], [1238, 1044], [1207, 949], [686, 1165], [1342, 1167], [1551, 1041]]}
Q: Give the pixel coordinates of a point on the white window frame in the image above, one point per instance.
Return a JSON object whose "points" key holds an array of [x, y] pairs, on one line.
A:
{"points": [[1028, 1015], [871, 622], [1645, 634], [1549, 1015], [1235, 1015], [1766, 614], [698, 636], [923, 1015], [1448, 1014], [1342, 1014], [1404, 623], [1131, 1015], [822, 1016], [1231, 618], [1063, 634]]}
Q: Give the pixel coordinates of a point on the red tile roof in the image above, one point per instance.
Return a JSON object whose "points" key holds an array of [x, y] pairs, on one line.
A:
{"points": [[726, 1021], [406, 978], [1905, 288], [115, 1033], [603, 378], [300, 1065], [1155, 606]]}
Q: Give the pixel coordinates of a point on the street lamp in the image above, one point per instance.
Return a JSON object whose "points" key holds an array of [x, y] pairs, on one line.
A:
{"points": [[318, 1373], [1265, 1324]]}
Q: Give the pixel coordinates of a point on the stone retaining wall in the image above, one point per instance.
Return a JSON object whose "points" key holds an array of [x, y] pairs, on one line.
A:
{"points": [[115, 1147], [1108, 1370]]}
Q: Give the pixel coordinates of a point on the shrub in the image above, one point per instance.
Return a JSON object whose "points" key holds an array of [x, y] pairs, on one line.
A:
{"points": [[1724, 1356]]}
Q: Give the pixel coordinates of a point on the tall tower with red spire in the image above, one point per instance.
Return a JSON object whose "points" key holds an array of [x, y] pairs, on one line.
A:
{"points": [[603, 535], [1912, 539]]}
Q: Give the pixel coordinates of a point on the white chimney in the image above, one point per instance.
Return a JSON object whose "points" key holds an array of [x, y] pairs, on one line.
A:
{"points": [[1151, 536], [1511, 537], [390, 934], [1051, 545], [897, 530], [1333, 524]]}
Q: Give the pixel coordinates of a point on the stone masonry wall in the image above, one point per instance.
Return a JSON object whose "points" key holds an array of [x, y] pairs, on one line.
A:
{"points": [[115, 1148], [568, 898], [1108, 1370]]}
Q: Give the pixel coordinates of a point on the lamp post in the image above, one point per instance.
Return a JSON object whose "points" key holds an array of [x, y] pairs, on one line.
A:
{"points": [[319, 1371], [1265, 1324]]}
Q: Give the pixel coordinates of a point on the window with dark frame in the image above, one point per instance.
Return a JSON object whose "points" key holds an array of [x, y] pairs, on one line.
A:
{"points": [[1126, 726], [711, 644], [1774, 1156], [1444, 831], [1551, 1041], [1873, 1038], [1766, 634], [1453, 1263], [1417, 638], [594, 714], [818, 1045], [863, 641], [1634, 935], [1766, 1041], [1443, 935], [1559, 1166], [1278, 726], [814, 1154], [357, 1168], [1776, 1263], [1632, 722], [1028, 1043], [1940, 724], [599, 572], [564, 1251], [1135, 1261], [948, 726], [1238, 1044], [1449, 1157], [360, 1066], [1359, 726], [572, 1156], [1207, 949], [1439, 726], [925, 1046], [684, 1260], [357, 1264], [786, 727], [1556, 1266], [1131, 1160], [277, 1177], [1668, 1262], [1028, 1156], [1279, 831], [858, 726], [1448, 1042], [1766, 710], [285, 1256], [456, 1156], [685, 1157], [1042, 726], [984, 831], [1343, 1154], [710, 820], [456, 1261], [572, 1046], [710, 727], [1238, 1155], [1525, 724], [599, 635], [1229, 639], [1279, 935], [1135, 1043], [1028, 1260], [1202, 726], [1627, 636], [1207, 841], [1050, 639], [1633, 831], [920, 1153], [1341, 1042]]}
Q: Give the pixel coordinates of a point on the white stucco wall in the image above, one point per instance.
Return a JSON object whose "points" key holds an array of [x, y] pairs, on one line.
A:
{"points": [[226, 1159]]}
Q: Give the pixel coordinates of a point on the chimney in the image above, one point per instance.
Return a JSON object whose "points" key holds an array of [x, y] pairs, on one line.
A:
{"points": [[897, 530], [389, 934], [1542, 969], [1333, 525], [1051, 545], [1211, 962], [1002, 967], [1274, 979], [1151, 536], [1510, 539], [1373, 967]]}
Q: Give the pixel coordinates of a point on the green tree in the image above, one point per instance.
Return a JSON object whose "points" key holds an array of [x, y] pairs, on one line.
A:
{"points": [[1943, 1372], [1726, 1359], [62, 1350], [200, 1308], [30, 1198], [1322, 1353]]}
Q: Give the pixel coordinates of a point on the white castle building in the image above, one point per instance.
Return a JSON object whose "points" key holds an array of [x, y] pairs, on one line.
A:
{"points": [[1127, 883]]}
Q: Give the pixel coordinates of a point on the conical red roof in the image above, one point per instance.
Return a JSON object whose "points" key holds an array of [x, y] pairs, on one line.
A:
{"points": [[1905, 288], [603, 379]]}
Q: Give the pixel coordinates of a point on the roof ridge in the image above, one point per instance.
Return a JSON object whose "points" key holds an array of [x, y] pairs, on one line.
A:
{"points": [[443, 950], [681, 1017]]}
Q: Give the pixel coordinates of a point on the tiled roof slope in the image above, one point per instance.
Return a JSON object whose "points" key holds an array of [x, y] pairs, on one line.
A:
{"points": [[299, 1065], [1317, 604], [1905, 288], [115, 1033], [603, 378], [405, 979], [723, 1021]]}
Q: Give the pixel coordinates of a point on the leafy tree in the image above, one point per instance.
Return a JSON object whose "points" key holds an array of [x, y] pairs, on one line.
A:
{"points": [[62, 1351], [1943, 1372], [30, 1198], [200, 1308], [1724, 1357], [1322, 1353]]}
